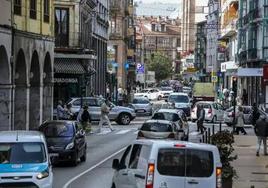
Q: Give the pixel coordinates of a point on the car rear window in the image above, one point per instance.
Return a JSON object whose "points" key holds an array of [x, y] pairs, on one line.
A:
{"points": [[185, 162], [140, 101], [156, 127], [166, 116]]}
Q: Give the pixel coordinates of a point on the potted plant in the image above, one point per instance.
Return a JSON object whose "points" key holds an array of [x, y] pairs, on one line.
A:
{"points": [[224, 141]]}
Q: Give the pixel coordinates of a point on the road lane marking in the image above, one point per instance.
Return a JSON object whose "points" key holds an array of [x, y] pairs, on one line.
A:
{"points": [[123, 131], [93, 167]]}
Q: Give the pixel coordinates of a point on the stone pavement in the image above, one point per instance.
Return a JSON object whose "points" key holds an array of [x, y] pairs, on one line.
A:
{"points": [[252, 170]]}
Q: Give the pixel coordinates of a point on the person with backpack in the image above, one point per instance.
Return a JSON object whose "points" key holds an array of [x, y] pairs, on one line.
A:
{"points": [[85, 119]]}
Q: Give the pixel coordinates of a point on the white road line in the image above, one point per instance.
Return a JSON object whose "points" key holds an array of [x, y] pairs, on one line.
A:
{"points": [[123, 131], [93, 167]]}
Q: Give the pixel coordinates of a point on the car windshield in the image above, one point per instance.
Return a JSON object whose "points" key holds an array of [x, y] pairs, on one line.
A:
{"points": [[58, 130], [178, 98], [21, 153], [140, 101], [156, 127], [166, 116]]}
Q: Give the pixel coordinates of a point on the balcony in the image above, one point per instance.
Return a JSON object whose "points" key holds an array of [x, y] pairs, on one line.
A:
{"points": [[252, 53], [116, 36], [229, 29], [92, 3], [115, 6], [254, 14]]}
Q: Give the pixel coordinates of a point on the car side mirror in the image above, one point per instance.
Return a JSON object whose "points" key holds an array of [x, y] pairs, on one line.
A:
{"points": [[115, 164]]}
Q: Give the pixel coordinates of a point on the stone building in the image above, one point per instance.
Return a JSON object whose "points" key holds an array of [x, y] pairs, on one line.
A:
{"points": [[26, 63], [158, 34], [80, 46], [122, 42]]}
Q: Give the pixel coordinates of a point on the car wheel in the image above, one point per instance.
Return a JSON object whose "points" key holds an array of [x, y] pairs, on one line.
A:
{"points": [[113, 186], [84, 157], [74, 159], [124, 119]]}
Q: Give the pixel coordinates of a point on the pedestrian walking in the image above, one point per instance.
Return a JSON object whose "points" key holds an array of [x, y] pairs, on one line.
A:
{"points": [[261, 132], [255, 114], [239, 121], [60, 111], [70, 115], [200, 119], [104, 115], [85, 120]]}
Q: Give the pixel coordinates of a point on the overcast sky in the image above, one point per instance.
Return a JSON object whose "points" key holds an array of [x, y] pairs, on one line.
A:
{"points": [[162, 1]]}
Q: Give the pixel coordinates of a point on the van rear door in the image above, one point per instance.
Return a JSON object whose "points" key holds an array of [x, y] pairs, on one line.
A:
{"points": [[200, 169], [170, 168]]}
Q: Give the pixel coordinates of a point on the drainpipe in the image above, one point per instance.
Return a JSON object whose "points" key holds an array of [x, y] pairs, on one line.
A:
{"points": [[12, 65]]}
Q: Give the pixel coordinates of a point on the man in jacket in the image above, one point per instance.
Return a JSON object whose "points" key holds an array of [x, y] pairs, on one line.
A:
{"points": [[201, 118], [255, 114], [261, 133]]}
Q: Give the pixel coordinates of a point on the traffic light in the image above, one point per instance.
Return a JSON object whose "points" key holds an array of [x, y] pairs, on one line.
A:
{"points": [[234, 83]]}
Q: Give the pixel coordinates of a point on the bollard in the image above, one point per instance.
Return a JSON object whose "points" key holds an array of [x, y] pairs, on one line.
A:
{"points": [[203, 138], [209, 135], [213, 129], [206, 137], [220, 126], [252, 186]]}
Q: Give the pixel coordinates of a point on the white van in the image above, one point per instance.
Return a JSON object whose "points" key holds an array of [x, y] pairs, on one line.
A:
{"points": [[24, 160], [168, 164]]}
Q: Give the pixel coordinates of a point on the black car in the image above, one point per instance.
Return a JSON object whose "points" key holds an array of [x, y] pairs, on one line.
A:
{"points": [[65, 141]]}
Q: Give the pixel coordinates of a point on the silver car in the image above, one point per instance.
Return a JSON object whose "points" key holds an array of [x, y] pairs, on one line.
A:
{"points": [[119, 114], [229, 115], [176, 116], [158, 129], [142, 105]]}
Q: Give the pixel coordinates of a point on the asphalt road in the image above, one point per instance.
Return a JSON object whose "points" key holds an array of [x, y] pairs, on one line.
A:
{"points": [[103, 147]]}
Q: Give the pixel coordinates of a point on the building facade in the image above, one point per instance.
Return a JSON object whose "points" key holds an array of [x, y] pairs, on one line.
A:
{"points": [[121, 44], [158, 34], [80, 46], [252, 49], [201, 50], [27, 63], [228, 39]]}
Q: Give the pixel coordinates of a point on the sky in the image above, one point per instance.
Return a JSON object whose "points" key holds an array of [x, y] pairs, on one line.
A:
{"points": [[162, 1]]}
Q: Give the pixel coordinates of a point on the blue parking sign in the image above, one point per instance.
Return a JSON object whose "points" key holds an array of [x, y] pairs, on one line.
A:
{"points": [[140, 68]]}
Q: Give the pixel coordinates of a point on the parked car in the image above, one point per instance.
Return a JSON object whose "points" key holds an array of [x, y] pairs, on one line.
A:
{"points": [[166, 91], [142, 105], [167, 163], [182, 101], [186, 89], [24, 160], [66, 141], [158, 129], [151, 94], [229, 115], [213, 111], [176, 116], [119, 114]]}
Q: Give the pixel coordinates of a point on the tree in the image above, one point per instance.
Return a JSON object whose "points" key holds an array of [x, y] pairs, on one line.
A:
{"points": [[161, 65]]}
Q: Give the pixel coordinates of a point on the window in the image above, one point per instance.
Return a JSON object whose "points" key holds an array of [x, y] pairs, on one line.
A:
{"points": [[125, 158], [253, 38], [61, 27], [54, 130], [33, 9], [134, 157], [153, 27], [199, 163], [46, 11], [163, 28], [139, 157], [265, 41], [157, 127], [17, 7]]}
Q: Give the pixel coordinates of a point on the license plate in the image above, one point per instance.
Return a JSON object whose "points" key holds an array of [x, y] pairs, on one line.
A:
{"points": [[140, 111], [53, 154]]}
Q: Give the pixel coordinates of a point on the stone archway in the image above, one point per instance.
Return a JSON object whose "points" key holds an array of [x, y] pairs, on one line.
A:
{"points": [[47, 89], [20, 106], [5, 90], [34, 110]]}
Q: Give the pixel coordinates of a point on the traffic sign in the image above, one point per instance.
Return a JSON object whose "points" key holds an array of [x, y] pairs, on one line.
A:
{"points": [[214, 79], [140, 68]]}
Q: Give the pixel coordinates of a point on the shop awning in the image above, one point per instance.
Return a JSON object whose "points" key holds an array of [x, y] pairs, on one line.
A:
{"points": [[68, 66], [247, 72]]}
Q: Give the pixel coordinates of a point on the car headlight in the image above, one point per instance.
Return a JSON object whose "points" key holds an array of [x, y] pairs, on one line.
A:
{"points": [[43, 174], [70, 146]]}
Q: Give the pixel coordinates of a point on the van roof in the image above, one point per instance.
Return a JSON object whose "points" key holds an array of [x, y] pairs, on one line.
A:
{"points": [[21, 136], [179, 93], [171, 143]]}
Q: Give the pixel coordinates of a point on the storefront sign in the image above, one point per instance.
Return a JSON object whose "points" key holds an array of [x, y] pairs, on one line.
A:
{"points": [[245, 72], [65, 80], [229, 65]]}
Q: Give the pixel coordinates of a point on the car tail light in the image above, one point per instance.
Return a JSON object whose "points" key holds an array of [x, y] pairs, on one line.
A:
{"points": [[150, 176], [179, 146], [140, 134], [209, 111], [171, 135], [218, 177]]}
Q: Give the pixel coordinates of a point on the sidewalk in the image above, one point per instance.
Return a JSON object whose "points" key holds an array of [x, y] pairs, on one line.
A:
{"points": [[252, 170]]}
